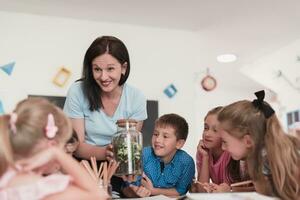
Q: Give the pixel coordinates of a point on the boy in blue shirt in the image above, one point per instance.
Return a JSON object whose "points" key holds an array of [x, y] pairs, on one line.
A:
{"points": [[168, 170]]}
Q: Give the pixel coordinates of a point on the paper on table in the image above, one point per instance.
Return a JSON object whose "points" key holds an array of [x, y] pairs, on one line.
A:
{"points": [[229, 196], [158, 197]]}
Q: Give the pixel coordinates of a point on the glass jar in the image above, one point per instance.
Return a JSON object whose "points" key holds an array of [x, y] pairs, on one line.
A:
{"points": [[127, 147]]}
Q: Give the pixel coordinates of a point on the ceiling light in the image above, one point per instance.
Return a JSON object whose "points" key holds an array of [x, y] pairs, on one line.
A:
{"points": [[226, 58]]}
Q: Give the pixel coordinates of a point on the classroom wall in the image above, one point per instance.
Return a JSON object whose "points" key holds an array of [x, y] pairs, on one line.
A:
{"points": [[287, 87]]}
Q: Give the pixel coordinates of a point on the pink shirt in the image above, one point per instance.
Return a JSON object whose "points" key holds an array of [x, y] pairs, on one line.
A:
{"points": [[217, 169], [36, 190]]}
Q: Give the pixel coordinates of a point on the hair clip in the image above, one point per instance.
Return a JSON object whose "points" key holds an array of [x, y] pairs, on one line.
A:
{"points": [[12, 122], [51, 129]]}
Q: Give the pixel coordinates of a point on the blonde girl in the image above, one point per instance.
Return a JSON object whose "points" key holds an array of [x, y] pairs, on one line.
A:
{"points": [[251, 130], [213, 162], [32, 139]]}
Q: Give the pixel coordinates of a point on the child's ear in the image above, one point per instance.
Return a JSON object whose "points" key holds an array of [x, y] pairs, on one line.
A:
{"points": [[248, 141], [180, 143]]}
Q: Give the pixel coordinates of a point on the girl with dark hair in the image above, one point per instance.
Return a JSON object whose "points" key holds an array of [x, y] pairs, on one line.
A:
{"points": [[101, 97]]}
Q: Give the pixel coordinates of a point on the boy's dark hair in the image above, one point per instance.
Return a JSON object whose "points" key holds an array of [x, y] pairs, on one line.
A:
{"points": [[175, 121], [73, 139]]}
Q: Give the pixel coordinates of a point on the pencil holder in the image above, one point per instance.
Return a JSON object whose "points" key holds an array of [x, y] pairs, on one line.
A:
{"points": [[102, 174], [106, 187]]}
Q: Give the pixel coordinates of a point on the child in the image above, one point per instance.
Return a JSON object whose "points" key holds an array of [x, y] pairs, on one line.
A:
{"points": [[212, 162], [72, 144], [33, 137], [168, 170], [251, 130]]}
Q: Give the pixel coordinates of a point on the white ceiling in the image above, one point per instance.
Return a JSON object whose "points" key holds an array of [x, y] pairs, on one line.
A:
{"points": [[249, 28]]}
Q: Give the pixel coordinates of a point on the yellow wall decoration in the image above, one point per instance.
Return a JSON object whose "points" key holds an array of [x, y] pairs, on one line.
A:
{"points": [[62, 77]]}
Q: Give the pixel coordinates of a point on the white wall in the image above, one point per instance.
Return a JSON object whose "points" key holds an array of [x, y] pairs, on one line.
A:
{"points": [[265, 71], [40, 45]]}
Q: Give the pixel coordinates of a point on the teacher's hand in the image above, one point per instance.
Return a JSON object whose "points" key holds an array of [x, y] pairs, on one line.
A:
{"points": [[109, 155]]}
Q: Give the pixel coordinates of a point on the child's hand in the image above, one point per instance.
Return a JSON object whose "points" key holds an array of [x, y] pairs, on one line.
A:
{"points": [[129, 178], [197, 187], [202, 149], [223, 187], [109, 155], [140, 191], [147, 183], [208, 187]]}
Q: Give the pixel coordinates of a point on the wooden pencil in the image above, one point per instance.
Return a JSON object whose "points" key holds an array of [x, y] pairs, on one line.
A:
{"points": [[200, 183], [94, 166], [241, 183], [89, 169]]}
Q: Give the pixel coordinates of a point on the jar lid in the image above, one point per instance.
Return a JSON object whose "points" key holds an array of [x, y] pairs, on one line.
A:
{"points": [[122, 122]]}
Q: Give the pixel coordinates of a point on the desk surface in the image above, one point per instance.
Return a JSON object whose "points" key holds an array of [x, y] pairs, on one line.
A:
{"points": [[213, 196], [229, 196]]}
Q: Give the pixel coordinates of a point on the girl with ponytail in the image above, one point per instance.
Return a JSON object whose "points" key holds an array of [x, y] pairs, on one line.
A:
{"points": [[251, 131]]}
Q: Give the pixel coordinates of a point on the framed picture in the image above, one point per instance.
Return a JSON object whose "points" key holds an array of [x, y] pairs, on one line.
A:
{"points": [[61, 77]]}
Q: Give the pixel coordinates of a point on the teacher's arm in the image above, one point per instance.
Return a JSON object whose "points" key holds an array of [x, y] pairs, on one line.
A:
{"points": [[84, 149]]}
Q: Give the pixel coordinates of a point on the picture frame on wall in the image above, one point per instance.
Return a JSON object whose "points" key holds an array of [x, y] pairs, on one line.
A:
{"points": [[62, 77]]}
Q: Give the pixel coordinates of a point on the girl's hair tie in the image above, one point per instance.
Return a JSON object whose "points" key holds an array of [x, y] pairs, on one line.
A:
{"points": [[12, 122], [51, 128], [262, 105]]}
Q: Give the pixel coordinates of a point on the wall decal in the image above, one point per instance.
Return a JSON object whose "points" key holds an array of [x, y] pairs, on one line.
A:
{"points": [[208, 83], [170, 91], [8, 68], [292, 83], [62, 77], [1, 108]]}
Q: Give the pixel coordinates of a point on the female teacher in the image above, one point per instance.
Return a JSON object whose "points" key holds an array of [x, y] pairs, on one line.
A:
{"points": [[101, 97]]}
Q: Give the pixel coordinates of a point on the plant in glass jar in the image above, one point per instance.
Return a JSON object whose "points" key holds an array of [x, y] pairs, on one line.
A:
{"points": [[127, 147]]}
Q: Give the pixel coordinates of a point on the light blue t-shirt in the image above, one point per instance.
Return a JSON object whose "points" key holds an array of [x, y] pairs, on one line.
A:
{"points": [[99, 127]]}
